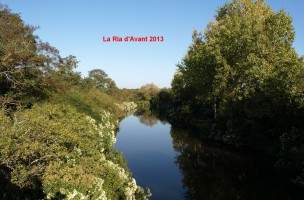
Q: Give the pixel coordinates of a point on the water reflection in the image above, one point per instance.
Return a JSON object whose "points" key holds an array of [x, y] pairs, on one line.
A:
{"points": [[213, 172], [148, 119], [151, 157], [177, 165]]}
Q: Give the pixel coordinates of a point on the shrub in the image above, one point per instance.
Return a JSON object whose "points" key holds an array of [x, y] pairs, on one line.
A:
{"points": [[67, 152]]}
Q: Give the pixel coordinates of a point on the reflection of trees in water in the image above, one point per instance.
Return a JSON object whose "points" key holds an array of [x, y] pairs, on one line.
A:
{"points": [[148, 119], [214, 173]]}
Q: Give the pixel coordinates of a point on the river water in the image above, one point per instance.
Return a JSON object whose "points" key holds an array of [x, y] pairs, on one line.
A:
{"points": [[177, 165]]}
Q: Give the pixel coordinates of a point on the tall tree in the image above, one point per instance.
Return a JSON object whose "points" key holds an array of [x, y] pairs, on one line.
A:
{"points": [[19, 60], [247, 50]]}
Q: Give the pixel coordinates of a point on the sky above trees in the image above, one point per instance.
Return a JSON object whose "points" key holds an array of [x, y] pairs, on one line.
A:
{"points": [[77, 28]]}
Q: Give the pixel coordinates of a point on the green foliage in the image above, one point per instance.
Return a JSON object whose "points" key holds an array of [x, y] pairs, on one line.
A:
{"points": [[244, 67], [143, 105], [242, 80], [100, 79], [67, 151], [89, 102], [63, 146], [20, 76], [127, 107], [29, 68], [162, 102], [247, 51], [147, 91]]}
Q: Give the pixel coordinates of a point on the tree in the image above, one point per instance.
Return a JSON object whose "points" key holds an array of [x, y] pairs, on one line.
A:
{"points": [[100, 79], [20, 63], [147, 91], [113, 90], [193, 83], [246, 51], [252, 47]]}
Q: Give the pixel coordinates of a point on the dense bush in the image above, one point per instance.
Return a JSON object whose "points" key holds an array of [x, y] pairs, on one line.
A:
{"points": [[67, 152]]}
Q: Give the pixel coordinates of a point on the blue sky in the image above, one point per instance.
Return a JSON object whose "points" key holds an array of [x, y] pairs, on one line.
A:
{"points": [[76, 27]]}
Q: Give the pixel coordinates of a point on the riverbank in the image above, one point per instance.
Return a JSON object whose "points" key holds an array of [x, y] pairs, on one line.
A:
{"points": [[65, 153], [57, 127]]}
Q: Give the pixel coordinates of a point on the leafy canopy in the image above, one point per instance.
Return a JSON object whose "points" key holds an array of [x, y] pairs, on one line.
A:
{"points": [[248, 49]]}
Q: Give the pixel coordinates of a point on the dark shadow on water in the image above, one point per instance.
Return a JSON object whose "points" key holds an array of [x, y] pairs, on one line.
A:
{"points": [[175, 164], [214, 172]]}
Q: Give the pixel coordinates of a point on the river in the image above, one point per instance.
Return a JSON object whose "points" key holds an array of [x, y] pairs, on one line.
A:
{"points": [[175, 165]]}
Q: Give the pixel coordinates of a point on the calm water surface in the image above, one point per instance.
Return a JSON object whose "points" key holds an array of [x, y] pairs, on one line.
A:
{"points": [[176, 165]]}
